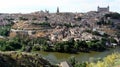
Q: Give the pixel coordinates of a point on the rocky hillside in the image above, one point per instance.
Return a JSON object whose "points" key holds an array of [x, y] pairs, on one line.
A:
{"points": [[22, 59]]}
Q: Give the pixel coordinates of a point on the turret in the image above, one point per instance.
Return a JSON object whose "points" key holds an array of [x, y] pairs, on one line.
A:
{"points": [[98, 8], [57, 10], [108, 8]]}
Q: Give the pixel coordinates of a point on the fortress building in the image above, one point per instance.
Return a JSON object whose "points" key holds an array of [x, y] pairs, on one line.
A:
{"points": [[103, 9]]}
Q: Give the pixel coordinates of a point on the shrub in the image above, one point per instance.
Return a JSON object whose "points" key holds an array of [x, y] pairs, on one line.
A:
{"points": [[113, 15], [5, 30], [36, 48], [106, 62], [9, 45]]}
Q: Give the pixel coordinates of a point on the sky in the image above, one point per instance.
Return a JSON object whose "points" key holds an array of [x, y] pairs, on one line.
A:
{"points": [[27, 6]]}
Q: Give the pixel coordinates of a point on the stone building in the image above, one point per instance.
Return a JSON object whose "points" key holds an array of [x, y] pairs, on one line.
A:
{"points": [[103, 9], [65, 64]]}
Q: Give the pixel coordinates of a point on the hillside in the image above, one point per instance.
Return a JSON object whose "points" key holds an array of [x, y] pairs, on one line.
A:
{"points": [[22, 59], [112, 60], [64, 26]]}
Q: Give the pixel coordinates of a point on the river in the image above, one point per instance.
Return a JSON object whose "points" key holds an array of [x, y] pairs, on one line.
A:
{"points": [[56, 57]]}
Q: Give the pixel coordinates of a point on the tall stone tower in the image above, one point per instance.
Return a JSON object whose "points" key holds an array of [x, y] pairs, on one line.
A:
{"points": [[57, 10], [108, 8]]}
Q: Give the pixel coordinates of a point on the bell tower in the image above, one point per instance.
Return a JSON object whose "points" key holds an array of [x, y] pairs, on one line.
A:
{"points": [[57, 10]]}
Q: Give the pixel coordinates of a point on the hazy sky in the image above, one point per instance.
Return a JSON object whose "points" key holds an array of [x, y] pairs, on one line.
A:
{"points": [[27, 6]]}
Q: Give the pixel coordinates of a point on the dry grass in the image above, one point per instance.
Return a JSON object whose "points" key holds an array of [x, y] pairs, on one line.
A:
{"points": [[108, 61]]}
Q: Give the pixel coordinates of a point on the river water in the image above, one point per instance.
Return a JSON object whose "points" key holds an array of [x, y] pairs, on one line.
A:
{"points": [[56, 57]]}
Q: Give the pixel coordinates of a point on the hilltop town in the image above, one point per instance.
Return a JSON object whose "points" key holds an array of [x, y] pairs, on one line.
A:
{"points": [[62, 26], [61, 31]]}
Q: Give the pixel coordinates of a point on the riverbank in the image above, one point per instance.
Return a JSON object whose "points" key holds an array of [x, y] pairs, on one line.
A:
{"points": [[57, 57], [37, 59]]}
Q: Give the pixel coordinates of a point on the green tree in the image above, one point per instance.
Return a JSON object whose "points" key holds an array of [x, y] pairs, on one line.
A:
{"points": [[72, 60], [13, 45], [78, 64], [36, 48], [59, 47], [5, 30], [66, 48], [76, 45], [46, 47]]}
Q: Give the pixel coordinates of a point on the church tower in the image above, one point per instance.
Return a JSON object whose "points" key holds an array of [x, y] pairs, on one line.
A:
{"points": [[57, 10], [108, 8], [98, 8]]}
